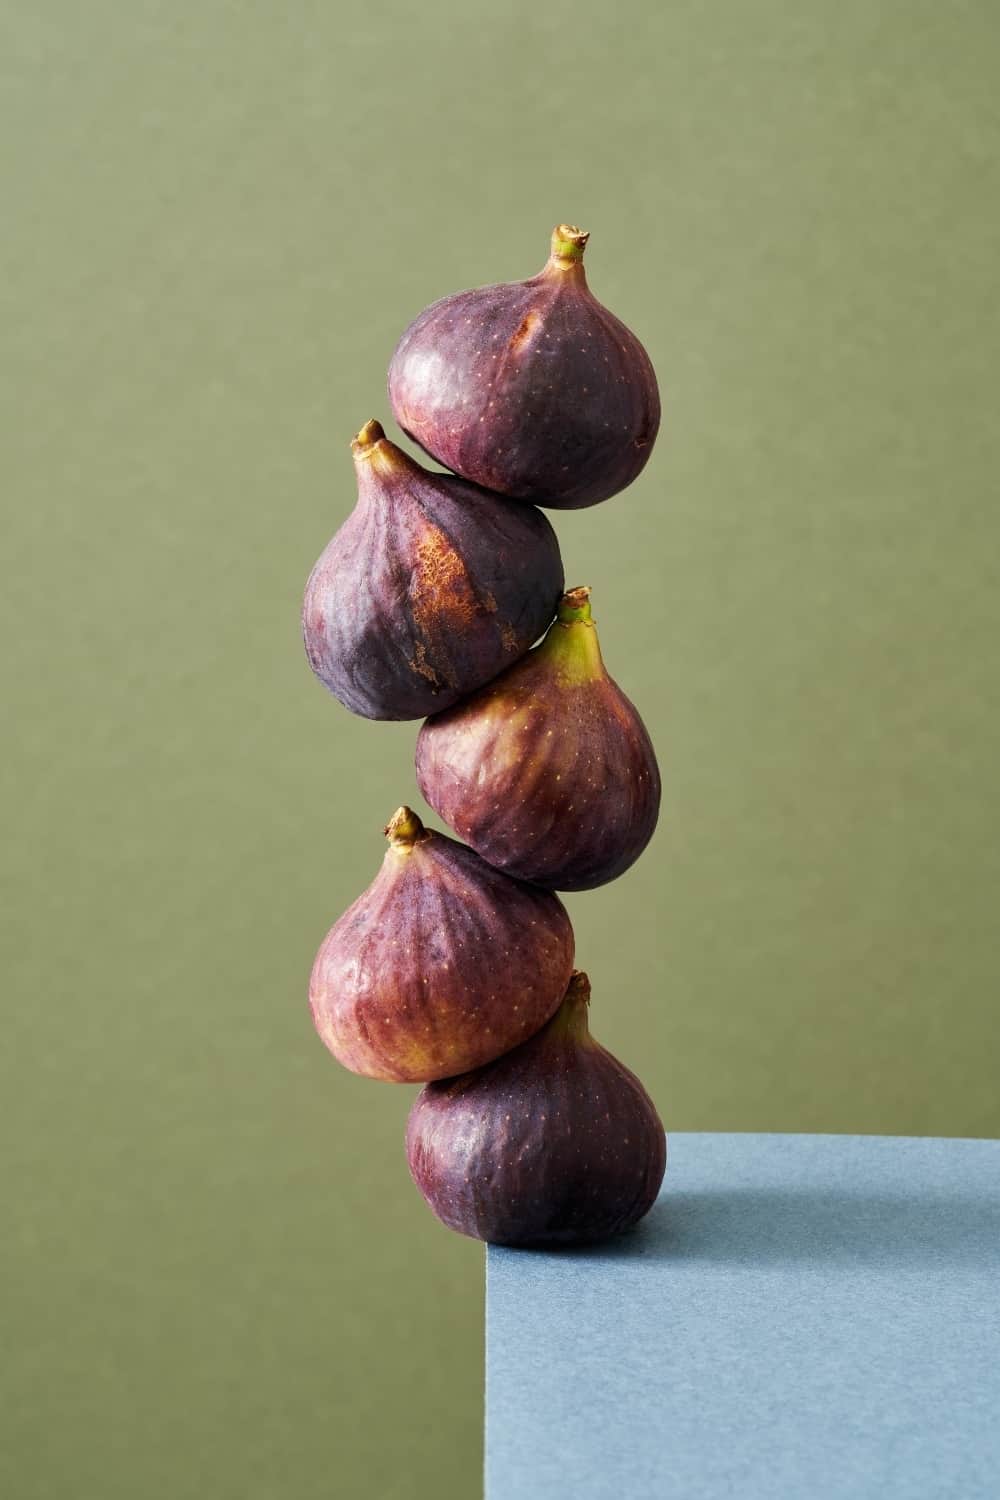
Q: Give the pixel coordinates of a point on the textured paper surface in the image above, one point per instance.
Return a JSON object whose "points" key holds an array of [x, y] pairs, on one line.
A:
{"points": [[799, 1316]]}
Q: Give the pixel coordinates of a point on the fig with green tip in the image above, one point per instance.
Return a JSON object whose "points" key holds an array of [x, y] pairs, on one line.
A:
{"points": [[548, 771], [556, 1143], [531, 388], [430, 588], [441, 965]]}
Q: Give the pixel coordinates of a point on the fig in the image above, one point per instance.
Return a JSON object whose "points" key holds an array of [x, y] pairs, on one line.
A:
{"points": [[441, 965], [555, 1143], [530, 388], [548, 771], [430, 588]]}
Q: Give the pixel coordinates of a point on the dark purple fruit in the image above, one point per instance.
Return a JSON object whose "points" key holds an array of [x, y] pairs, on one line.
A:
{"points": [[430, 588], [548, 771], [556, 1143], [442, 964], [530, 388]]}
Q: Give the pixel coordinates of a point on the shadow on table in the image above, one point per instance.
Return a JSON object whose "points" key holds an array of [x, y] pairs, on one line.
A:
{"points": [[773, 1226]]}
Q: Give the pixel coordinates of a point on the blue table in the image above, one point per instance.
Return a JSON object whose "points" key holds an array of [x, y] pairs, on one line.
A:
{"points": [[799, 1318]]}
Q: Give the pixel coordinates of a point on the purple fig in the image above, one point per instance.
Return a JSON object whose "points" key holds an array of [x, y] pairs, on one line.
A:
{"points": [[548, 771], [443, 964], [430, 588], [530, 388], [556, 1143]]}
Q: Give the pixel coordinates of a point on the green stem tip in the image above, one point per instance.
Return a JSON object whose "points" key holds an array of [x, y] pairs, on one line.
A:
{"points": [[571, 1017], [571, 647], [403, 828], [575, 605], [569, 243], [371, 434]]}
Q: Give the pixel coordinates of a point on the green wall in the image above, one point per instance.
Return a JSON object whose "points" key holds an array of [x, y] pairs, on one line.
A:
{"points": [[218, 217]]}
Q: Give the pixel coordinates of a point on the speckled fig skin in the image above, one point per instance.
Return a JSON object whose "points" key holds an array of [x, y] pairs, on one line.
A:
{"points": [[547, 772], [430, 588], [556, 1143], [441, 965], [530, 388]]}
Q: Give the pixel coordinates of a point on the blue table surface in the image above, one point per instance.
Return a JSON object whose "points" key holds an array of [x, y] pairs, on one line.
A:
{"points": [[799, 1316]]}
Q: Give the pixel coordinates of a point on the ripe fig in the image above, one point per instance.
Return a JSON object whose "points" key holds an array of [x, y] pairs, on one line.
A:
{"points": [[548, 771], [430, 588], [556, 1143], [441, 965], [530, 388]]}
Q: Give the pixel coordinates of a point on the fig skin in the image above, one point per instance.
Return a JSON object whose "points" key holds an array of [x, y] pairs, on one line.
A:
{"points": [[441, 965], [556, 1143], [430, 588], [530, 388], [547, 772]]}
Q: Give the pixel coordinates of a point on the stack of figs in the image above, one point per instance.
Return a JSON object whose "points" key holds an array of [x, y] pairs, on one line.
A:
{"points": [[442, 598]]}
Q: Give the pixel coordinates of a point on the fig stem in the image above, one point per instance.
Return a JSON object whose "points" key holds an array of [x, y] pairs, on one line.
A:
{"points": [[403, 828], [578, 989], [571, 646], [571, 1017], [375, 456], [574, 605], [371, 434], [569, 243]]}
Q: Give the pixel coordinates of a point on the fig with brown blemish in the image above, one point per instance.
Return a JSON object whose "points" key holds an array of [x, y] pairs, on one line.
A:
{"points": [[429, 589]]}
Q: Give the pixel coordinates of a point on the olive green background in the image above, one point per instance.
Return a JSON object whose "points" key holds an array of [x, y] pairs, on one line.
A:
{"points": [[217, 220]]}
